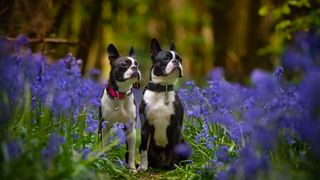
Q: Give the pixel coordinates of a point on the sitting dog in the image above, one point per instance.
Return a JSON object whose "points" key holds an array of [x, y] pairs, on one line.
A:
{"points": [[117, 101], [161, 112]]}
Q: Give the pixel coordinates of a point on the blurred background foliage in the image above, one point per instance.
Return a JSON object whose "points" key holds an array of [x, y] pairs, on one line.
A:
{"points": [[238, 35]]}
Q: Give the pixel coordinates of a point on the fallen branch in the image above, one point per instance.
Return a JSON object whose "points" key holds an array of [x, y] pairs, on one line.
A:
{"points": [[47, 40], [4, 10]]}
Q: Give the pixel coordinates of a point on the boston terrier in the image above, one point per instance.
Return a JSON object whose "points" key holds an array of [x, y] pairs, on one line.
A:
{"points": [[117, 101], [161, 112]]}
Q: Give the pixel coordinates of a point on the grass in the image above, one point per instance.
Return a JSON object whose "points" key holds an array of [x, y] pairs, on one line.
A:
{"points": [[32, 132], [80, 155]]}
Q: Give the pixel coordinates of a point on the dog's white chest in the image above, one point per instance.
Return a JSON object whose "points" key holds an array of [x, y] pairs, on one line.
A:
{"points": [[125, 113], [159, 114]]}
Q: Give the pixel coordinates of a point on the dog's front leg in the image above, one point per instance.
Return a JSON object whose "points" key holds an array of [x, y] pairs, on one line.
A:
{"points": [[145, 140], [105, 134], [131, 138]]}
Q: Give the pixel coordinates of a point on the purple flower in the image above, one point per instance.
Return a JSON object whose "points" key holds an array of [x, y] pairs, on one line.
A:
{"points": [[210, 143], [92, 124], [290, 139], [94, 73], [252, 164], [278, 72], [22, 40], [52, 148], [85, 152], [262, 78], [303, 53], [217, 74], [222, 175], [104, 123], [14, 149], [222, 154], [249, 165], [309, 92], [182, 150], [249, 103], [190, 83], [118, 128]]}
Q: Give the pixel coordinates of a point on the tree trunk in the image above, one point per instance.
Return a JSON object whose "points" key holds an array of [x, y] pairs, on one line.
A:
{"points": [[89, 29], [236, 30], [221, 31], [259, 30]]}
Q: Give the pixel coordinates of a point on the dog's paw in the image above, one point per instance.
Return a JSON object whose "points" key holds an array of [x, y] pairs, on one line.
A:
{"points": [[133, 170], [142, 168]]}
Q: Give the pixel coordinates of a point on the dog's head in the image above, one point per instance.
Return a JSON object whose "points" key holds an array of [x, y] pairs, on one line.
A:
{"points": [[124, 69], [166, 64]]}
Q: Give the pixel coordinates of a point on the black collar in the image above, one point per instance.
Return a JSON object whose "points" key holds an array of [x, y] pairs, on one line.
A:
{"points": [[158, 87]]}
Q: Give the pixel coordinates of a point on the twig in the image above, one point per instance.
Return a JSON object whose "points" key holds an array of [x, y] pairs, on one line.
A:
{"points": [[4, 10], [47, 40]]}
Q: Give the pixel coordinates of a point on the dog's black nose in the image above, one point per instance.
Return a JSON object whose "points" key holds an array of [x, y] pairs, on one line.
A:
{"points": [[134, 68]]}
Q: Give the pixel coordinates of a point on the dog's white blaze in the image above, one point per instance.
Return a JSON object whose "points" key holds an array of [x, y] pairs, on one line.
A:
{"points": [[127, 85], [129, 71], [180, 65], [159, 114], [170, 65]]}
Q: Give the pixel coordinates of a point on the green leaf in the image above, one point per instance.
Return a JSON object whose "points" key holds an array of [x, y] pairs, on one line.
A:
{"points": [[263, 10], [286, 9], [299, 3], [283, 25]]}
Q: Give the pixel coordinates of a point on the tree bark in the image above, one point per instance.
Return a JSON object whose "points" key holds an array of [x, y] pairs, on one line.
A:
{"points": [[88, 29], [237, 29], [221, 31]]}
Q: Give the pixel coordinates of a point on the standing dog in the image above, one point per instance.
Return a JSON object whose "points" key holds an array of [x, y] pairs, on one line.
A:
{"points": [[117, 102], [161, 111]]}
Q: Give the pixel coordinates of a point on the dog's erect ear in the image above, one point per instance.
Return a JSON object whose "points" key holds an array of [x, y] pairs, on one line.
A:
{"points": [[155, 47], [113, 52], [132, 53], [173, 47]]}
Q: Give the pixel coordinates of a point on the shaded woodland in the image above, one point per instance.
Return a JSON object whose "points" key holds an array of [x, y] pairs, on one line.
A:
{"points": [[238, 35], [258, 120]]}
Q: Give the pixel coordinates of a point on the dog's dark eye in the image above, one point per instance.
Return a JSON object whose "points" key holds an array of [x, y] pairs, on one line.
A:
{"points": [[166, 58], [124, 64], [179, 58]]}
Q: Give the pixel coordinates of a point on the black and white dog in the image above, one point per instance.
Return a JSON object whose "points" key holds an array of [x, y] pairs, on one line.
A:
{"points": [[161, 112], [117, 102]]}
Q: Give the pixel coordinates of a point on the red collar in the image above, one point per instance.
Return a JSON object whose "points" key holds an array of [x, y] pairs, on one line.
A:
{"points": [[116, 94]]}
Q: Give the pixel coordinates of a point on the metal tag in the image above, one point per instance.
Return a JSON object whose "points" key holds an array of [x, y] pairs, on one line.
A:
{"points": [[116, 104], [166, 97]]}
